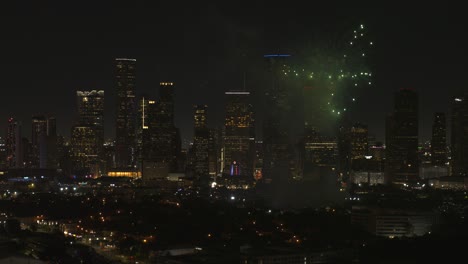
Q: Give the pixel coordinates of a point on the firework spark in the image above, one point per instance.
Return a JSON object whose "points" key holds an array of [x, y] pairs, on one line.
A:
{"points": [[341, 73]]}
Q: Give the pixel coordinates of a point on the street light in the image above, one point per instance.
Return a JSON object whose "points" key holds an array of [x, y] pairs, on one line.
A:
{"points": [[368, 158]]}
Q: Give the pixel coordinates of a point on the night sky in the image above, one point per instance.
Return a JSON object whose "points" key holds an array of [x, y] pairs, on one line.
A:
{"points": [[49, 52]]}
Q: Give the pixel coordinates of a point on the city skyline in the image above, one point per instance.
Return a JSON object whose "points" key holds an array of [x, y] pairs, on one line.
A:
{"points": [[233, 133], [423, 53]]}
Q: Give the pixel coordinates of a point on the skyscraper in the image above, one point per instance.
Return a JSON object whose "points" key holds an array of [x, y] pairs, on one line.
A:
{"points": [[3, 153], [200, 117], [145, 128], [459, 135], [344, 149], [13, 144], [38, 138], [276, 122], [215, 142], [201, 142], [439, 140], [402, 139], [359, 146], [239, 139], [83, 149], [90, 106], [44, 142], [166, 104], [320, 155], [126, 112], [358, 141], [88, 132], [166, 135]]}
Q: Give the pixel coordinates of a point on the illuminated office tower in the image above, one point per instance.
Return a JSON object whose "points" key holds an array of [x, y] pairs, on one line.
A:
{"points": [[13, 144], [459, 135], [201, 142], [402, 165], [439, 140], [83, 148], [358, 141], [239, 134], [91, 112], [126, 113], [358, 146], [87, 138], [200, 117]]}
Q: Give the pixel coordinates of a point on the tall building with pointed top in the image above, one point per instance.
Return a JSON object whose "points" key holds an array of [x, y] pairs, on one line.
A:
{"points": [[125, 142], [439, 140]]}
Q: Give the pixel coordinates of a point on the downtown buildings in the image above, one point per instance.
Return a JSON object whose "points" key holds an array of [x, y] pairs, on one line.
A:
{"points": [[148, 142]]}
